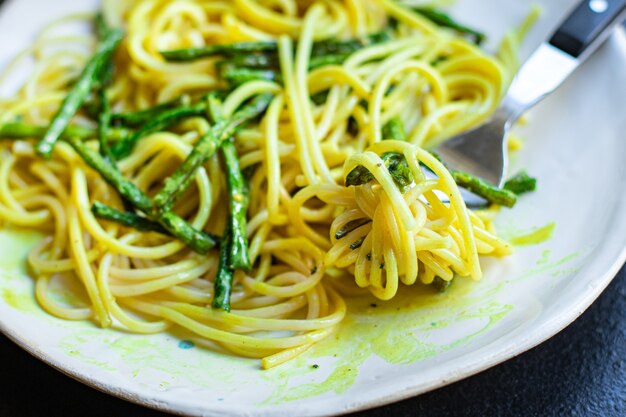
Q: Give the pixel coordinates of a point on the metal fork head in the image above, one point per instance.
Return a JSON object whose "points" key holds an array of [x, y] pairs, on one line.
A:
{"points": [[480, 151]]}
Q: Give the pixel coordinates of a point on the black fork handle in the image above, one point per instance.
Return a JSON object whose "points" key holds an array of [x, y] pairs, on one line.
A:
{"points": [[588, 26]]}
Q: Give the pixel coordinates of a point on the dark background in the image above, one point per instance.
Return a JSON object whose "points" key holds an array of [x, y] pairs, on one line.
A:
{"points": [[579, 372]]}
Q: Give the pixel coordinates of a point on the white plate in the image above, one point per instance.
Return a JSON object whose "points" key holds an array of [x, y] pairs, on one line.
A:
{"points": [[575, 146]]}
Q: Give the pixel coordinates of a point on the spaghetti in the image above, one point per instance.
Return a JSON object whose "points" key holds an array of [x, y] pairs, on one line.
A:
{"points": [[311, 236]]}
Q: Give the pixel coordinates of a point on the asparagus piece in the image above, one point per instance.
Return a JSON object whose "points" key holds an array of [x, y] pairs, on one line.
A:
{"points": [[197, 240], [191, 54], [442, 19], [394, 129], [106, 75], [395, 164], [141, 117], [521, 183], [238, 201], [324, 60], [104, 30], [102, 26], [357, 243], [347, 47], [224, 278], [266, 60], [161, 121], [239, 50], [441, 284], [205, 147], [239, 258], [104, 121], [403, 177], [20, 130], [236, 76], [350, 226], [480, 187], [484, 189], [79, 92], [127, 219]]}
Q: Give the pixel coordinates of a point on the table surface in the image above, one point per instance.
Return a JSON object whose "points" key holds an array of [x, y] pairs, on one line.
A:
{"points": [[579, 372]]}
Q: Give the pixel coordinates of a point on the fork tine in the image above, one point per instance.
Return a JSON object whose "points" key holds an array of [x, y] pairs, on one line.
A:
{"points": [[480, 152]]}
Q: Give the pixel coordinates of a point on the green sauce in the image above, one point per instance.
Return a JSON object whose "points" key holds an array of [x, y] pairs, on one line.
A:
{"points": [[536, 236]]}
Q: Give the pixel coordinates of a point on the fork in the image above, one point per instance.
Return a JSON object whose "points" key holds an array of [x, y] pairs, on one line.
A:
{"points": [[482, 151]]}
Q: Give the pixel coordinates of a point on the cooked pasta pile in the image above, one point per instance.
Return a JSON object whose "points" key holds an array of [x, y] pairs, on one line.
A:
{"points": [[312, 239]]}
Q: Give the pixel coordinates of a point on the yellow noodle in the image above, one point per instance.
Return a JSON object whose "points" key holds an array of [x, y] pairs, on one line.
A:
{"points": [[308, 233]]}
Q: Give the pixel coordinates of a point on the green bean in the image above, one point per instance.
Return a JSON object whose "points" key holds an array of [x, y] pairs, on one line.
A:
{"points": [[239, 258], [224, 279], [79, 92], [521, 183], [180, 180]]}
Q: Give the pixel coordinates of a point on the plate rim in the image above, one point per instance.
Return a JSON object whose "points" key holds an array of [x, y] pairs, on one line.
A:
{"points": [[509, 350]]}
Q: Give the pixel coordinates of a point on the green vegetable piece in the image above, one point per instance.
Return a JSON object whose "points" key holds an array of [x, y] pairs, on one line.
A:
{"points": [[394, 129], [521, 183], [351, 226], [357, 243], [266, 60], [191, 54], [238, 194], [441, 284], [20, 130], [102, 26], [395, 164], [180, 180], [236, 76], [224, 279], [265, 54], [440, 18], [128, 219], [197, 240], [161, 122], [104, 122], [347, 47], [239, 258], [142, 117], [324, 60], [79, 93], [483, 189]]}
